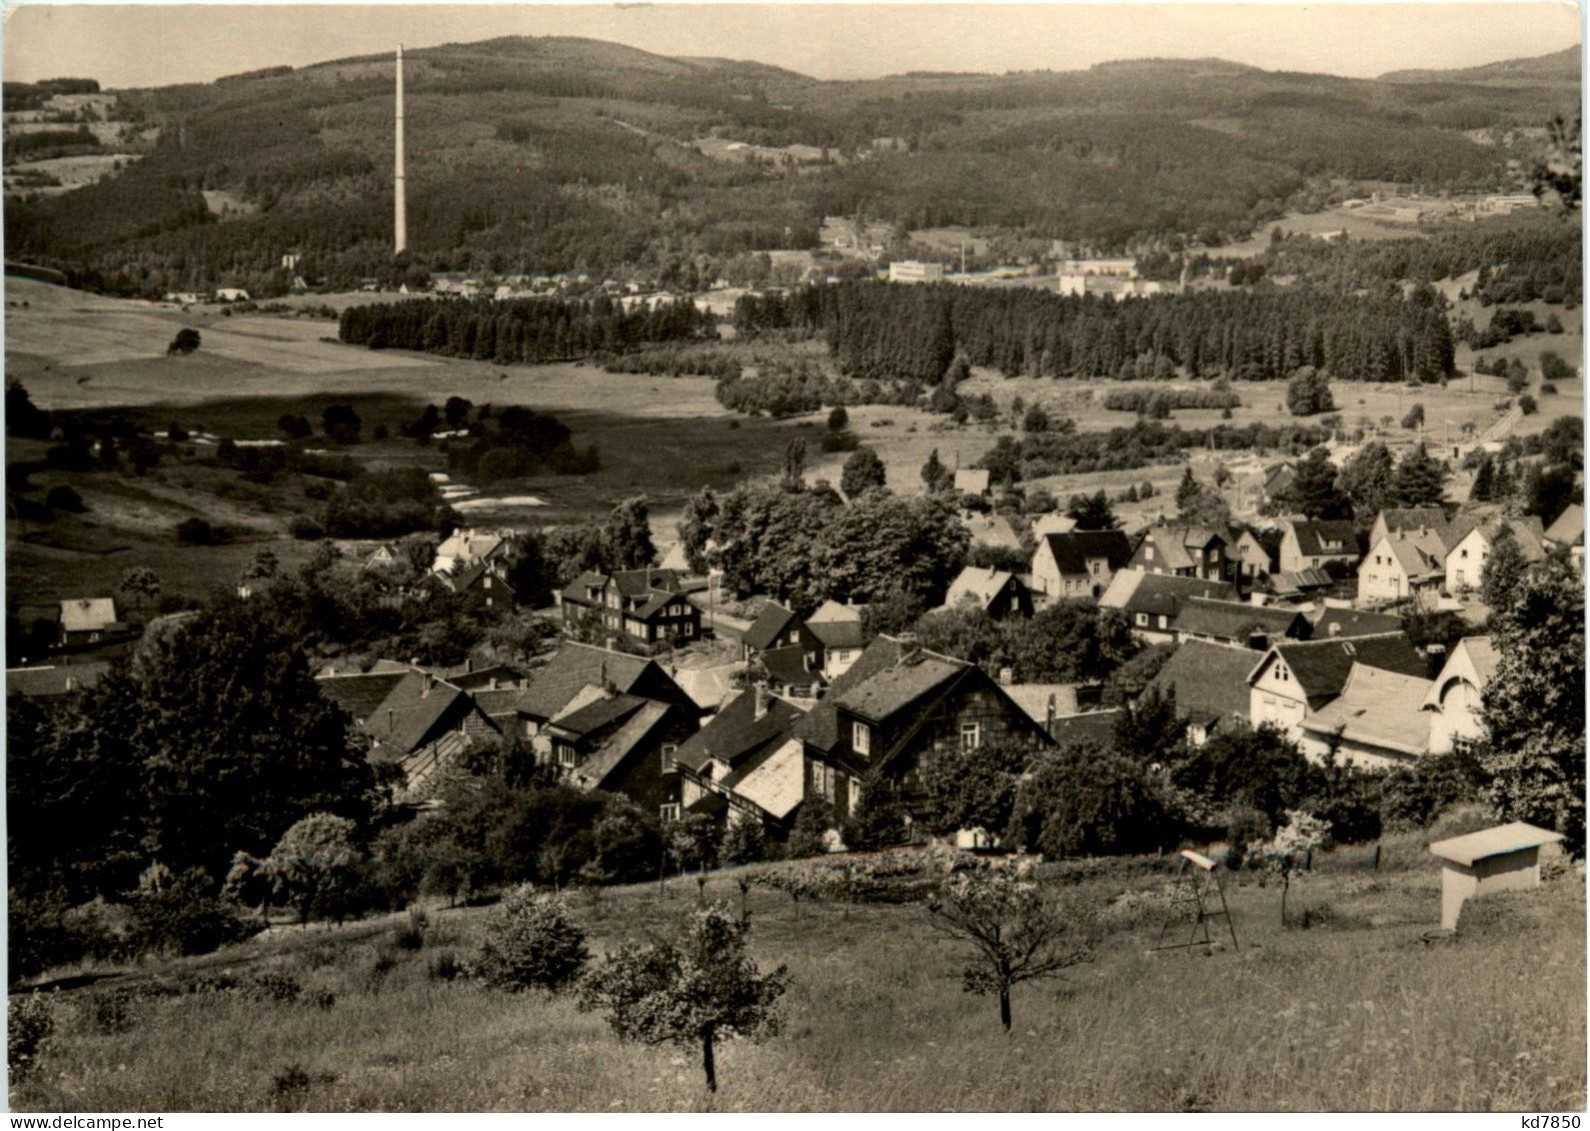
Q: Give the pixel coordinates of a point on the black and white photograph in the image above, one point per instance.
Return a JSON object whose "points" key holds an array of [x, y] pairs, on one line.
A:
{"points": [[766, 558]]}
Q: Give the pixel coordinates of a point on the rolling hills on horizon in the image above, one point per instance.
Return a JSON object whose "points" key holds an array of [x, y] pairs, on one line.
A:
{"points": [[547, 154]]}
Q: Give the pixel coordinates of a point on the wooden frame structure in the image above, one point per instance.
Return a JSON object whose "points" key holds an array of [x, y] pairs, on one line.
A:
{"points": [[1197, 883]]}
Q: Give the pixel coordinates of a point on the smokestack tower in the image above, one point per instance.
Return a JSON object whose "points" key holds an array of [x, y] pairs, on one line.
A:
{"points": [[400, 215]]}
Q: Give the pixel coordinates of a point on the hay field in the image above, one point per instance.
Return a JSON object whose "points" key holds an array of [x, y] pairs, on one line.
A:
{"points": [[1354, 1013]]}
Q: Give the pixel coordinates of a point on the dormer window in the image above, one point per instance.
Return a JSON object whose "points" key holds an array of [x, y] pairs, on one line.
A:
{"points": [[861, 738]]}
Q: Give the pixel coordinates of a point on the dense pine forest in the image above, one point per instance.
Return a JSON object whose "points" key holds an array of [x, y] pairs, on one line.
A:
{"points": [[877, 331], [524, 330], [543, 155]]}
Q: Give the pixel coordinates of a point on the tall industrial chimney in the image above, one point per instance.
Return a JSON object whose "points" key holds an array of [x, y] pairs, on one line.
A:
{"points": [[400, 216]]}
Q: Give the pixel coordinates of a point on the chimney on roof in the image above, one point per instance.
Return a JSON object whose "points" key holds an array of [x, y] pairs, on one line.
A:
{"points": [[491, 684], [1006, 677], [1049, 716], [1335, 628], [430, 682], [1435, 660], [391, 720], [612, 643], [760, 708], [469, 666]]}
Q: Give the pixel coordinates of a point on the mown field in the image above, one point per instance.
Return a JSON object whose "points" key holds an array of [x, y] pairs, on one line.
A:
{"points": [[1355, 1012]]}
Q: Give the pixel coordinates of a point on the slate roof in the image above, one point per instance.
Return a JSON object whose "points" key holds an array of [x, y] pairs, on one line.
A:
{"points": [[992, 530], [1527, 533], [1377, 708], [500, 703], [788, 666], [361, 694], [896, 688], [1072, 550], [1033, 699], [579, 590], [1321, 667], [622, 742], [636, 583], [88, 614], [1238, 621], [839, 634], [1210, 680], [1176, 543], [1419, 554], [1568, 530], [775, 781], [820, 728], [1343, 624], [575, 666], [603, 711], [1299, 581], [405, 718], [53, 679], [1411, 518], [709, 688], [1312, 538], [476, 679], [735, 733], [769, 627], [1160, 594]]}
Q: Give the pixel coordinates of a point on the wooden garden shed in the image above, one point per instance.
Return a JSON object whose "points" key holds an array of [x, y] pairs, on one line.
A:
{"points": [[1505, 858]]}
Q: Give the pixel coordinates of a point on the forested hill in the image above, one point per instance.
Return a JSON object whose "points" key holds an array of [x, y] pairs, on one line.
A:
{"points": [[542, 155], [1559, 67]]}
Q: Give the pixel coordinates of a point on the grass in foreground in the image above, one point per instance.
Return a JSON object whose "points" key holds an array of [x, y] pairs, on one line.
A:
{"points": [[1355, 1013]]}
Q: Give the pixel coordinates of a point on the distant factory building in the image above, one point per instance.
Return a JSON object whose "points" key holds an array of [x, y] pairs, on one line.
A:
{"points": [[915, 271]]}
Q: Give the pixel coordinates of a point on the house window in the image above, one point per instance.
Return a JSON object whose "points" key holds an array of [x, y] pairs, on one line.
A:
{"points": [[1142, 619], [669, 812], [1148, 553], [842, 656], [1464, 554], [690, 629], [860, 738], [823, 780], [794, 636], [855, 796], [971, 736], [565, 755], [1163, 620], [669, 749]]}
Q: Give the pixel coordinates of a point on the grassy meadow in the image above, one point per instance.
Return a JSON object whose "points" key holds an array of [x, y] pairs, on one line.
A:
{"points": [[1353, 1012]]}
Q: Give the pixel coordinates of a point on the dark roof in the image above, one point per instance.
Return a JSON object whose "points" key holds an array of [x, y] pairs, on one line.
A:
{"points": [[472, 678], [498, 703], [1072, 550], [787, 666], [1094, 726], [361, 694], [637, 583], [820, 728], [839, 633], [1412, 518], [1321, 667], [1336, 624], [1210, 680], [28, 614], [735, 732], [55, 679], [769, 626], [467, 577], [580, 588], [603, 712], [709, 804], [575, 666], [406, 717], [1313, 536], [1165, 593], [618, 746], [1236, 620], [894, 689]]}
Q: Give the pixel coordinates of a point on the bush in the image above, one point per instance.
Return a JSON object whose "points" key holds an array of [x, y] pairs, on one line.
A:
{"points": [[1548, 389], [306, 529], [182, 915], [63, 498], [445, 967], [186, 341], [198, 532], [30, 1022], [411, 934], [1527, 405], [840, 442], [532, 943]]}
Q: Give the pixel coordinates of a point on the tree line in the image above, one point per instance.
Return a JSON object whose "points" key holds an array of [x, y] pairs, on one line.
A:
{"points": [[523, 330], [875, 330]]}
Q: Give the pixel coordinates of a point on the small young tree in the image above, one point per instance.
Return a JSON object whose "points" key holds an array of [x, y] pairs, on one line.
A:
{"points": [[532, 944], [693, 992], [862, 472], [186, 341], [1287, 852], [1018, 932], [838, 419], [808, 837]]}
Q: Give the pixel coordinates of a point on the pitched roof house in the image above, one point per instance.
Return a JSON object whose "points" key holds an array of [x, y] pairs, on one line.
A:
{"points": [[464, 547], [777, 627], [972, 481], [360, 693], [840, 636], [993, 591], [1079, 563], [1246, 554], [1297, 677], [1401, 565], [647, 605], [1343, 624], [1238, 623], [54, 681], [577, 666], [1181, 550], [88, 620], [1311, 544], [1210, 682], [1568, 529], [1465, 560], [749, 756], [604, 739], [1454, 701], [992, 530], [423, 725], [1152, 601], [1375, 723], [1406, 520]]}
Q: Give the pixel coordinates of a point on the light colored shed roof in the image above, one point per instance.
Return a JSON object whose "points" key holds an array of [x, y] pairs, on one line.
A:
{"points": [[1498, 841]]}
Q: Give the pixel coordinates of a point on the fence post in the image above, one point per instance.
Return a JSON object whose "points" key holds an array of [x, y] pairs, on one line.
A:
{"points": [[1377, 857]]}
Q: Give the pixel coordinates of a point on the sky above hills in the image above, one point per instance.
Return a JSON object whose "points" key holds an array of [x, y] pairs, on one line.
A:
{"points": [[151, 45]]}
